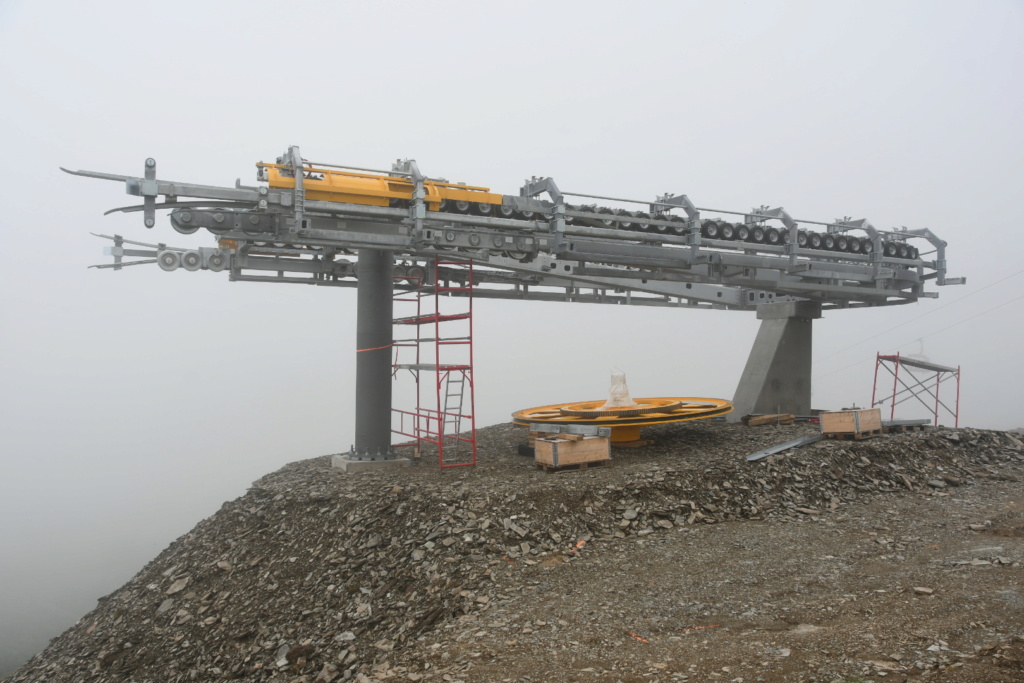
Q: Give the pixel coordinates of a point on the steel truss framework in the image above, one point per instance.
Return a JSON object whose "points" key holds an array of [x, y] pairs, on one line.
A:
{"points": [[299, 229], [277, 235], [916, 384]]}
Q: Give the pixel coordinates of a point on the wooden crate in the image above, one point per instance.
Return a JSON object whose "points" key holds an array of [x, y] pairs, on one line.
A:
{"points": [[852, 422], [542, 435], [555, 451]]}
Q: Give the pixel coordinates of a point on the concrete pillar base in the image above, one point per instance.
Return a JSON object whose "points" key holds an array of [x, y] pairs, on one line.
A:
{"points": [[349, 464], [777, 377]]}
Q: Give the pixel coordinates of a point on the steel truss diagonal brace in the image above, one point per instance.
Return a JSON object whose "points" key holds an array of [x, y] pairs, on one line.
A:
{"points": [[919, 385]]}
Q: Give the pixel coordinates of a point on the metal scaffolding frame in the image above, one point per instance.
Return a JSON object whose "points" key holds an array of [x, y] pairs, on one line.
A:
{"points": [[918, 386], [441, 367]]}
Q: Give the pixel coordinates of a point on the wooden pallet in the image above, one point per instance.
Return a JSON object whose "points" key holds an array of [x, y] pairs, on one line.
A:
{"points": [[899, 429], [578, 467], [853, 436]]}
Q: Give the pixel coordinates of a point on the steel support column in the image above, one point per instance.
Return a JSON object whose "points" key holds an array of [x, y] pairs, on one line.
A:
{"points": [[373, 355], [777, 377]]}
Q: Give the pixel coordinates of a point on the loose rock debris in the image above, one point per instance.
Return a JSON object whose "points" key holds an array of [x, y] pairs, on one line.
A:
{"points": [[796, 568]]}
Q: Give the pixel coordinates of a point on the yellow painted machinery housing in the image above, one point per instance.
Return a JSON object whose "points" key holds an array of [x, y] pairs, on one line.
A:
{"points": [[350, 187]]}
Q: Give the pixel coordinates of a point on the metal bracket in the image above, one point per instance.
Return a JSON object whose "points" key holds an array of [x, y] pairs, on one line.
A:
{"points": [[295, 159], [940, 257], [379, 455], [778, 212], [417, 207], [680, 200], [536, 186], [149, 189], [557, 227], [117, 251]]}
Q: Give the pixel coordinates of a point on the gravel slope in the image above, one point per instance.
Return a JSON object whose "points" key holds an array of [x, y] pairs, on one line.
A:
{"points": [[896, 557]]}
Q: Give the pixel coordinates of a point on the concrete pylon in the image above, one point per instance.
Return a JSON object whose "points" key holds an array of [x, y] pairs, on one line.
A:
{"points": [[374, 339], [777, 377]]}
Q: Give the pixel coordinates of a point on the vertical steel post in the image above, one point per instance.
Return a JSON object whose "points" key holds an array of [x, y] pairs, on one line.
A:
{"points": [[472, 376], [439, 374], [895, 379], [874, 384], [374, 339], [956, 419]]}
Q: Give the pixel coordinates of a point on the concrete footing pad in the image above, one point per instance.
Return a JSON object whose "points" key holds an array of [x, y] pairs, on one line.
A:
{"points": [[347, 464]]}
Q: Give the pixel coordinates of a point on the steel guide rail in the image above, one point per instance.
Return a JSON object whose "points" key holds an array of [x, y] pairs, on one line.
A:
{"points": [[536, 249]]}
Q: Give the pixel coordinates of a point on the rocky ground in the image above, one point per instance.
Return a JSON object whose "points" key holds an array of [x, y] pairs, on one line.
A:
{"points": [[898, 557]]}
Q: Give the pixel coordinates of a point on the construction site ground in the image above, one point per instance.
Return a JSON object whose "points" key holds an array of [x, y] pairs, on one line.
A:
{"points": [[896, 558]]}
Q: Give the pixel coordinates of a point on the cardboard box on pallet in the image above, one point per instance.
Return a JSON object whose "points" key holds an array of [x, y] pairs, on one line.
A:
{"points": [[558, 452], [851, 421]]}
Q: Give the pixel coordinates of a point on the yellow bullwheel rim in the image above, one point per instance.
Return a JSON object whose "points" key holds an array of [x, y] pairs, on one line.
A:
{"points": [[626, 422]]}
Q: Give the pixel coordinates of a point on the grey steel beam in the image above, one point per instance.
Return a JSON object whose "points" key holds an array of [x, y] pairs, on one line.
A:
{"points": [[795, 443], [567, 295], [699, 291], [739, 286], [727, 272], [827, 276]]}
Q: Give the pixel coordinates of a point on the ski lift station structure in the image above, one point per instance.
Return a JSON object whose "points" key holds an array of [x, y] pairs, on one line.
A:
{"points": [[398, 236]]}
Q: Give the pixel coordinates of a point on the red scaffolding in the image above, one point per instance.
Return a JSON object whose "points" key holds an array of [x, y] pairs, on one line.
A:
{"points": [[438, 359], [920, 385]]}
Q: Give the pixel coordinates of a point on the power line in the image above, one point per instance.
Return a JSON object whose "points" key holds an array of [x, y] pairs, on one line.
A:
{"points": [[934, 310], [976, 315], [948, 327]]}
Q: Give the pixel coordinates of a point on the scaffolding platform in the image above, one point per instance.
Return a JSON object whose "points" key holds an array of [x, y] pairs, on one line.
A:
{"points": [[920, 378]]}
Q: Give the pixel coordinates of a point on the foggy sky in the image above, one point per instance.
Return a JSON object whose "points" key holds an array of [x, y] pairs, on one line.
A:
{"points": [[134, 403]]}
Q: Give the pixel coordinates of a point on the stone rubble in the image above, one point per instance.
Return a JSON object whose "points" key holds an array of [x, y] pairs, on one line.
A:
{"points": [[316, 576]]}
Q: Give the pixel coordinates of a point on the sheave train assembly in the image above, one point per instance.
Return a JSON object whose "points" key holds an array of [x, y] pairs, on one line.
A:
{"points": [[303, 221]]}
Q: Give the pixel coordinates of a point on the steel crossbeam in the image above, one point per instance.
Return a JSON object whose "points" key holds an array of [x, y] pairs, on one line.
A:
{"points": [[303, 223], [537, 249]]}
